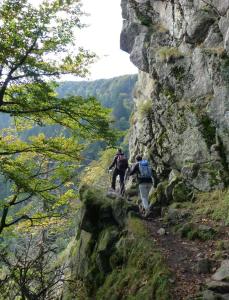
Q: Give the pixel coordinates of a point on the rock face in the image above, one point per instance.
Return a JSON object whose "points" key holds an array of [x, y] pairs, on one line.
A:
{"points": [[181, 118]]}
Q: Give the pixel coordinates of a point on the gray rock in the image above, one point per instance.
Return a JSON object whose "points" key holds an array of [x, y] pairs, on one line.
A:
{"points": [[177, 215], [214, 38], [205, 228], [223, 25], [200, 23], [210, 295], [203, 266], [112, 194], [161, 231], [218, 286], [221, 5], [226, 42], [223, 272]]}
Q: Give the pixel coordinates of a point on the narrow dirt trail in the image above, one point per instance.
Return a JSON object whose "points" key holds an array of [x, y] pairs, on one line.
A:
{"points": [[182, 257]]}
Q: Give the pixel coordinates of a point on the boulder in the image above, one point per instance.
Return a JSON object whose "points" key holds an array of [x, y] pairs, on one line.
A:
{"points": [[176, 216], [161, 231], [223, 272], [203, 266], [218, 287]]}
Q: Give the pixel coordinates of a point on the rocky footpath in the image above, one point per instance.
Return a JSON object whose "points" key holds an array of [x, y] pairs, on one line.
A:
{"points": [[193, 237], [197, 257], [181, 117]]}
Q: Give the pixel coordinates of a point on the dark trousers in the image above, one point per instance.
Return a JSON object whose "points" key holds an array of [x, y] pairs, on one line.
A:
{"points": [[121, 175]]}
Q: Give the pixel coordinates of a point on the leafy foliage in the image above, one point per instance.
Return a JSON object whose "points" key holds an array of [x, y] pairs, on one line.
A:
{"points": [[116, 94], [41, 170]]}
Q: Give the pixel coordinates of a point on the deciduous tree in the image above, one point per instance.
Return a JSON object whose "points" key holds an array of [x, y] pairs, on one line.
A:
{"points": [[37, 46]]}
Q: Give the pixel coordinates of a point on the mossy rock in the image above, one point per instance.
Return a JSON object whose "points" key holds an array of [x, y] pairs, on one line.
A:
{"points": [[80, 253], [139, 270], [106, 238], [200, 232], [176, 216], [157, 197], [115, 258], [99, 211], [181, 193]]}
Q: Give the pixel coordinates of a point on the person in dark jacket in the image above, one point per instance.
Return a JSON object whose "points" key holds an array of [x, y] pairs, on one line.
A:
{"points": [[120, 165], [144, 183]]}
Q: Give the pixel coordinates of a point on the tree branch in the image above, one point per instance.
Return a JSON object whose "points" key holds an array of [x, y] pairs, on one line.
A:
{"points": [[19, 64]]}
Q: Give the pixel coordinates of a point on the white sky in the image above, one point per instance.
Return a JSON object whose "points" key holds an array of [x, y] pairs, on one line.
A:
{"points": [[102, 37]]}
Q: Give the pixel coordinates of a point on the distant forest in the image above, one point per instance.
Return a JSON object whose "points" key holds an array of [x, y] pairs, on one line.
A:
{"points": [[115, 93]]}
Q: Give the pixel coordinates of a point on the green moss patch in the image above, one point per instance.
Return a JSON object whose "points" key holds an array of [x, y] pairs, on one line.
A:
{"points": [[194, 232], [142, 274]]}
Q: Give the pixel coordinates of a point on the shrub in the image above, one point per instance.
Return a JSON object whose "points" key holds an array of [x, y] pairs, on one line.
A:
{"points": [[145, 109], [168, 54]]}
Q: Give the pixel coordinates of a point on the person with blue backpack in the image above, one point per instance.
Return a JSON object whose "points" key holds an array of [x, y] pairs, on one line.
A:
{"points": [[145, 181]]}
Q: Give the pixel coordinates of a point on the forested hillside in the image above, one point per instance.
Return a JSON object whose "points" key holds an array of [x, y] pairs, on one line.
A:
{"points": [[115, 93]]}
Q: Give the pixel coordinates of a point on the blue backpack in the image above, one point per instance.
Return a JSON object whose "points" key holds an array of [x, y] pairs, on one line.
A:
{"points": [[145, 170]]}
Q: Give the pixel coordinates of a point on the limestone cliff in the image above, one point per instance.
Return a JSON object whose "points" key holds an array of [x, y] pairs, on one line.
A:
{"points": [[181, 117]]}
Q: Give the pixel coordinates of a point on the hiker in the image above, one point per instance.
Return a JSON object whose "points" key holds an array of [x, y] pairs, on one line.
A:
{"points": [[120, 164], [144, 176]]}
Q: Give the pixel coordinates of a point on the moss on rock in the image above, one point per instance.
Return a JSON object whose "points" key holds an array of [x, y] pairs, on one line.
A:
{"points": [[158, 196], [193, 231], [181, 192], [113, 259], [143, 273]]}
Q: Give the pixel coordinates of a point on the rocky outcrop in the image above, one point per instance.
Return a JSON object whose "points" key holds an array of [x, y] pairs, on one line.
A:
{"points": [[112, 255], [181, 118]]}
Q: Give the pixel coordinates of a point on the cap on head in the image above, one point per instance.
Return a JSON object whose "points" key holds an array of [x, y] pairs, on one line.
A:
{"points": [[138, 158]]}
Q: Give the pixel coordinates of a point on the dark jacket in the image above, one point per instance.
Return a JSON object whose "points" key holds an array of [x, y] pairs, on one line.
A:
{"points": [[135, 170], [114, 163]]}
